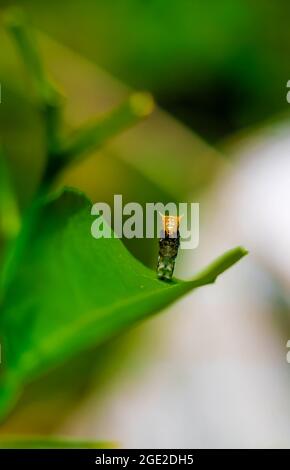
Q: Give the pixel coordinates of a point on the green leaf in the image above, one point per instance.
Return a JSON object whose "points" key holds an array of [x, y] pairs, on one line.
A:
{"points": [[85, 291], [42, 442]]}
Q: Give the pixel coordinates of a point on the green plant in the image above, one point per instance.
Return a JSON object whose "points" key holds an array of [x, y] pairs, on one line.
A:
{"points": [[36, 442], [81, 291]]}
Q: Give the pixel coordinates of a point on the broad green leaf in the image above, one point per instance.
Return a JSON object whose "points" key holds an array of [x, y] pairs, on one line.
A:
{"points": [[42, 442], [84, 292]]}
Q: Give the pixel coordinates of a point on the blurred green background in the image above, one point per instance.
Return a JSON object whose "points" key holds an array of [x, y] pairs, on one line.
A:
{"points": [[218, 72], [217, 66]]}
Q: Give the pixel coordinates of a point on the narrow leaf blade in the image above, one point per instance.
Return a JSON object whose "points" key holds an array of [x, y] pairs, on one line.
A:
{"points": [[42, 442]]}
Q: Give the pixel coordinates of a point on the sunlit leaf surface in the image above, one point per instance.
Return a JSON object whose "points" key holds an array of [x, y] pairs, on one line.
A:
{"points": [[84, 292]]}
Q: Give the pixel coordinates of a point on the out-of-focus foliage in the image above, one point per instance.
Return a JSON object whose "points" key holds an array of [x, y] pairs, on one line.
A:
{"points": [[158, 159], [9, 213], [218, 66], [61, 290]]}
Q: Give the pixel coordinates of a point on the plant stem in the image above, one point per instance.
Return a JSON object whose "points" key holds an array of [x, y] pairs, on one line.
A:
{"points": [[48, 97], [93, 135]]}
